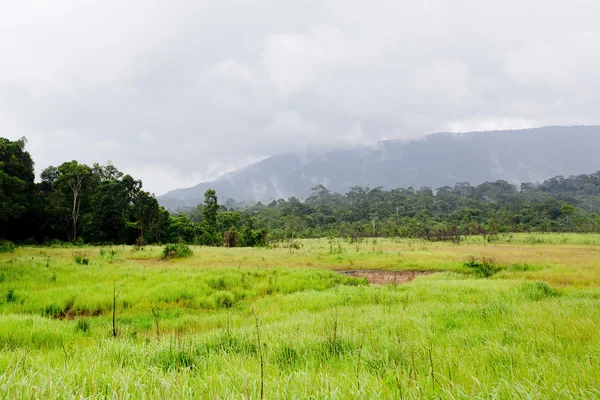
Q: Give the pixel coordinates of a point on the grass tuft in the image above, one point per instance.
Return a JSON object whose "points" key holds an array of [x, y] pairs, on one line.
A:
{"points": [[538, 291]]}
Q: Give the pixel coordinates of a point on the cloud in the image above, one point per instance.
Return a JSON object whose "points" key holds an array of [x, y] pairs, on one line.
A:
{"points": [[176, 93], [233, 71], [294, 61]]}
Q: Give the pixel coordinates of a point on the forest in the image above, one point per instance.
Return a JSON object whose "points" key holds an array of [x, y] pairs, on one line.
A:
{"points": [[99, 204]]}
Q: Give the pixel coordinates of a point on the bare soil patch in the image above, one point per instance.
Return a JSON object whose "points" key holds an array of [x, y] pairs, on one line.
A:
{"points": [[376, 277]]}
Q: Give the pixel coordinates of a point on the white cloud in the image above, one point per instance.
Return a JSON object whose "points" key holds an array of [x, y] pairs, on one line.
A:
{"points": [[294, 60], [488, 124], [180, 92], [231, 69]]}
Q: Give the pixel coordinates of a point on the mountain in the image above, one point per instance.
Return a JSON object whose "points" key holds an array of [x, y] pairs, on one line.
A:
{"points": [[436, 160]]}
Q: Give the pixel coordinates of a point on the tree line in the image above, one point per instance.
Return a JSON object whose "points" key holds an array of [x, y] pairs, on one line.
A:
{"points": [[559, 204], [99, 204]]}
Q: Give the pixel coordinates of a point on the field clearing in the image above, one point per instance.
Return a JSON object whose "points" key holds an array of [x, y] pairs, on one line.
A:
{"points": [[199, 327]]}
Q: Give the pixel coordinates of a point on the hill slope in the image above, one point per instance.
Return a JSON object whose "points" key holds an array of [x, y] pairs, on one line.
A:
{"points": [[436, 160]]}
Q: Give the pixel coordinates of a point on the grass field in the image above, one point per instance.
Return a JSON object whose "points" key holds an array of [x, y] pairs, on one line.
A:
{"points": [[232, 323]]}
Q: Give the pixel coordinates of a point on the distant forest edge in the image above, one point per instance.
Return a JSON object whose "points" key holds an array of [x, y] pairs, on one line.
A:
{"points": [[98, 204], [434, 160]]}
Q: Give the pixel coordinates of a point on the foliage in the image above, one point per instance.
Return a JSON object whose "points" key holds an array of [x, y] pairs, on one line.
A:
{"points": [[210, 209], [485, 267], [232, 238], [17, 190], [81, 259], [7, 246], [178, 250], [99, 204], [446, 214]]}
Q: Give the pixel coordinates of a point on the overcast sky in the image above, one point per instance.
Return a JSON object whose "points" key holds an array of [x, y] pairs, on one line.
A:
{"points": [[177, 92]]}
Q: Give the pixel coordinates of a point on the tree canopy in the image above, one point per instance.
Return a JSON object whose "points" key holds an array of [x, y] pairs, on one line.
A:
{"points": [[100, 204]]}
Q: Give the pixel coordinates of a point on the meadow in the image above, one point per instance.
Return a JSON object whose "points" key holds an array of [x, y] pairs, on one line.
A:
{"points": [[283, 322]]}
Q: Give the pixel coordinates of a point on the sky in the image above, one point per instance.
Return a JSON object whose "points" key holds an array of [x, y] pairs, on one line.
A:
{"points": [[179, 92]]}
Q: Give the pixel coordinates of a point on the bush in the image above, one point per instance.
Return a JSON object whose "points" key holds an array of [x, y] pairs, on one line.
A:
{"points": [[485, 267], [7, 246], [176, 251]]}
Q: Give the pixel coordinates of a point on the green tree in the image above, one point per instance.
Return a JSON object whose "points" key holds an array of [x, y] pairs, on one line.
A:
{"points": [[112, 213], [210, 209], [568, 210], [16, 181], [74, 181], [146, 211]]}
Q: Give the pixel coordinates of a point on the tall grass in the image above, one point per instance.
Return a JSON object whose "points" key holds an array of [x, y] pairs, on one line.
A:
{"points": [[221, 325]]}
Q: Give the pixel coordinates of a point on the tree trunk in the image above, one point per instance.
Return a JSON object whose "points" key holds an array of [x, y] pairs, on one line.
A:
{"points": [[142, 240], [76, 205]]}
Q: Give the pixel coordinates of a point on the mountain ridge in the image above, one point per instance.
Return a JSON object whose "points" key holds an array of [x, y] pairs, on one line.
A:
{"points": [[434, 160]]}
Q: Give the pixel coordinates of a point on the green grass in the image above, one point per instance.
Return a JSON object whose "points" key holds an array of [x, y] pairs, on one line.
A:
{"points": [[530, 330]]}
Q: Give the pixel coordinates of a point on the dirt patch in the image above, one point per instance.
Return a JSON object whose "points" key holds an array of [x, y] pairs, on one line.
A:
{"points": [[387, 277]]}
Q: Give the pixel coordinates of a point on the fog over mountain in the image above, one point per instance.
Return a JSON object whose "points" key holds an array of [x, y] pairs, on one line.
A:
{"points": [[177, 93], [435, 160]]}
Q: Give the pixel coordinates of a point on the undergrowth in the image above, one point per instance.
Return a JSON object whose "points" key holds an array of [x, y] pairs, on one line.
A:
{"points": [[179, 250]]}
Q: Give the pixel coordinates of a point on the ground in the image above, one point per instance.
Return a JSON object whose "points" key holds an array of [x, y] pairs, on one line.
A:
{"points": [[302, 323]]}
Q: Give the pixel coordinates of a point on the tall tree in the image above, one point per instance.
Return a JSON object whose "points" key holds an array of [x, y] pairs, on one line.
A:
{"points": [[210, 209], [74, 180], [146, 211], [112, 209], [16, 181]]}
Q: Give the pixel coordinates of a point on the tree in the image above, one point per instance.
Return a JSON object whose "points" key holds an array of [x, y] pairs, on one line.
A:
{"points": [[210, 209], [16, 181], [568, 210], [74, 180], [146, 211], [112, 216]]}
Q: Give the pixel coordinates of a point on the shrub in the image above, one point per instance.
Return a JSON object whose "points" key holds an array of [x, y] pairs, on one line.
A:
{"points": [[7, 246], [485, 267], [176, 251]]}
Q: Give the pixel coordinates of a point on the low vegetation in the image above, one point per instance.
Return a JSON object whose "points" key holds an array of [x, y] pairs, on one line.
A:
{"points": [[6, 246], [176, 251], [516, 318]]}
